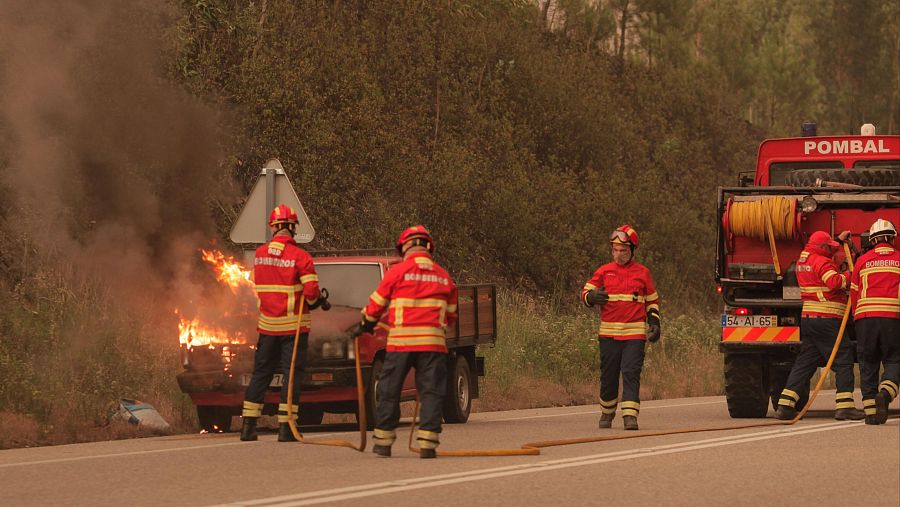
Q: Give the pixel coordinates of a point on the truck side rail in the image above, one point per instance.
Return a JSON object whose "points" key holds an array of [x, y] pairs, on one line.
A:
{"points": [[477, 322]]}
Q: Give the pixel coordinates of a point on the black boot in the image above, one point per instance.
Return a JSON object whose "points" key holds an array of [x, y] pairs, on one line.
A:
{"points": [[849, 414], [382, 451], [606, 421], [248, 430], [872, 419], [882, 400], [285, 434], [785, 413], [630, 422], [427, 453]]}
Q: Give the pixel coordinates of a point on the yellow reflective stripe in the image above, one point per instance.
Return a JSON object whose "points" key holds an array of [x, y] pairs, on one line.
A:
{"points": [[418, 303], [377, 298], [622, 325], [843, 396], [607, 404], [853, 286], [890, 387], [825, 307], [309, 278], [451, 308], [627, 297], [880, 269], [875, 308], [653, 297], [250, 404], [812, 289], [589, 286], [411, 341], [844, 404], [276, 244], [429, 435], [283, 319], [791, 394], [279, 288], [889, 301], [653, 307], [421, 330], [631, 404], [828, 274]]}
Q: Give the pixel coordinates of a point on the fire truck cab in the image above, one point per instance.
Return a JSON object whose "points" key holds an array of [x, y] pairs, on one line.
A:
{"points": [[800, 185]]}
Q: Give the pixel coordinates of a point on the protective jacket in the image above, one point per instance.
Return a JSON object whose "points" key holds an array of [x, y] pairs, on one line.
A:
{"points": [[421, 301], [283, 272], [823, 289], [875, 284], [631, 296]]}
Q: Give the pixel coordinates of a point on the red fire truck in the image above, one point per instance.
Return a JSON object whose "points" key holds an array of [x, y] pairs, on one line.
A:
{"points": [[216, 376], [801, 185]]}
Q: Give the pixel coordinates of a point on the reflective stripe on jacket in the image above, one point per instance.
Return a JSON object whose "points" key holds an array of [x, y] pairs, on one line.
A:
{"points": [[420, 299], [823, 289], [631, 296], [875, 284], [282, 272]]}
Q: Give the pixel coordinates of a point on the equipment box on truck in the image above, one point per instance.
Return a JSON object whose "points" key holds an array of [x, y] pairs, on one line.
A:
{"points": [[801, 185]]}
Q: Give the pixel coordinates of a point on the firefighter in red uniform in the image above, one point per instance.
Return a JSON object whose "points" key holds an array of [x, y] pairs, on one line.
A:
{"points": [[823, 290], [421, 301], [875, 295], [282, 272], [629, 316]]}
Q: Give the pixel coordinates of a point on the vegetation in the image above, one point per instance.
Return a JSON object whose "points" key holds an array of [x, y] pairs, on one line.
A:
{"points": [[520, 132]]}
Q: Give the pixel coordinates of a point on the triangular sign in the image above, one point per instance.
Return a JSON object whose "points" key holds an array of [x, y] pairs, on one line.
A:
{"points": [[252, 225]]}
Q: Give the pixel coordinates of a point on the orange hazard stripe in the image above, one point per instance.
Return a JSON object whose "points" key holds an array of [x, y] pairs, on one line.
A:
{"points": [[761, 334]]}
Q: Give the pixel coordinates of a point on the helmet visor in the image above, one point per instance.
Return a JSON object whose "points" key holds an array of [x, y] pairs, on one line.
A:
{"points": [[618, 236]]}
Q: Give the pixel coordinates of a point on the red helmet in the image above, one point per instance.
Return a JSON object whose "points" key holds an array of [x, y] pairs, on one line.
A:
{"points": [[416, 232], [624, 235], [822, 238], [283, 214]]}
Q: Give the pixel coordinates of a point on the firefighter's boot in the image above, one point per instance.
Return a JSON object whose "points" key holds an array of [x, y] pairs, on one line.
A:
{"points": [[606, 421], [427, 453], [285, 434], [872, 419], [630, 422], [382, 451], [786, 413], [849, 414], [248, 430], [882, 400]]}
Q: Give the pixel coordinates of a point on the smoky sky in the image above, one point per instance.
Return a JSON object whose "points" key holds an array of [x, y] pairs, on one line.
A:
{"points": [[108, 163]]}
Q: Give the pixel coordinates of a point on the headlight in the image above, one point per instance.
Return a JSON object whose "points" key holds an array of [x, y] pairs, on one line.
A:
{"points": [[333, 350], [809, 204]]}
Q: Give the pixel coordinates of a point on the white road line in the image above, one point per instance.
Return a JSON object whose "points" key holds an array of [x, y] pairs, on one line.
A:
{"points": [[383, 488], [116, 455], [594, 412]]}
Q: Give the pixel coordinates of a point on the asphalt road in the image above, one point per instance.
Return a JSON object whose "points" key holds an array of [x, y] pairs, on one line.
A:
{"points": [[819, 461]]}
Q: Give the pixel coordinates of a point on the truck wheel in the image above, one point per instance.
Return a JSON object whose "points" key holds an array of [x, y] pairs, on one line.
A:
{"points": [[371, 401], [311, 415], [214, 419], [746, 385], [870, 177], [458, 399]]}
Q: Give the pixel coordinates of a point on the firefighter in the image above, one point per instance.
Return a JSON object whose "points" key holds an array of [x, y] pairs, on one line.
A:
{"points": [[421, 301], [823, 290], [282, 272], [875, 295], [629, 316]]}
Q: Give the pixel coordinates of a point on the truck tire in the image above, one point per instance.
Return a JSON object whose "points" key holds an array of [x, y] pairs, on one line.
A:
{"points": [[310, 415], [870, 177], [214, 419], [458, 399], [746, 385], [371, 401]]}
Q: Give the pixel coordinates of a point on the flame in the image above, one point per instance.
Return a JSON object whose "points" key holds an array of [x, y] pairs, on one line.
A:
{"points": [[193, 333], [228, 270]]}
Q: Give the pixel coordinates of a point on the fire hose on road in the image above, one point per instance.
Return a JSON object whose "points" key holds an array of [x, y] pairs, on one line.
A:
{"points": [[534, 448]]}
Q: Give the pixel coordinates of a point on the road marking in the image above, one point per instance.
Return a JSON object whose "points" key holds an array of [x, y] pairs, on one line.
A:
{"points": [[384, 488], [595, 412]]}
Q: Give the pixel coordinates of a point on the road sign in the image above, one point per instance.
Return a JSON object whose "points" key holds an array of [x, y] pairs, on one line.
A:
{"points": [[271, 189]]}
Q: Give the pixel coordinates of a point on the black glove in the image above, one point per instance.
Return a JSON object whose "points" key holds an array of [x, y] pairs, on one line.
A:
{"points": [[597, 297], [318, 303], [653, 329], [365, 326]]}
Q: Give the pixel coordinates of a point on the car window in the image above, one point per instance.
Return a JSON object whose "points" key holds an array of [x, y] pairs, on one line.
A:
{"points": [[349, 284]]}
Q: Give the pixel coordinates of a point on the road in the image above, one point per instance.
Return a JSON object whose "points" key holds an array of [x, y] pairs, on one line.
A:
{"points": [[819, 461]]}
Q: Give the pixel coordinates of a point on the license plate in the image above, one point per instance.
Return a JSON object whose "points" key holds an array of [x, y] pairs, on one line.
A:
{"points": [[277, 380], [749, 320]]}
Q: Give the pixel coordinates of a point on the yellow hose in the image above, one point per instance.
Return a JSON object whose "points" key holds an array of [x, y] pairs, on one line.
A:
{"points": [[767, 219]]}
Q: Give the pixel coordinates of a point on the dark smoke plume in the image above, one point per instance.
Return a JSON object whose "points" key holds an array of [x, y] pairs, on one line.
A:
{"points": [[108, 165]]}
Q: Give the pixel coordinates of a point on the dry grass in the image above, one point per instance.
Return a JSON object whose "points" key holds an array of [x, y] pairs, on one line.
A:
{"points": [[544, 357]]}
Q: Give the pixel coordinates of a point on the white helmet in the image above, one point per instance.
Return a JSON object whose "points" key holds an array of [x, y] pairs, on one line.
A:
{"points": [[882, 229]]}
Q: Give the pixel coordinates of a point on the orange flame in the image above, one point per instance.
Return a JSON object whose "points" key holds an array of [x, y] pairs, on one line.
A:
{"points": [[192, 333], [228, 270]]}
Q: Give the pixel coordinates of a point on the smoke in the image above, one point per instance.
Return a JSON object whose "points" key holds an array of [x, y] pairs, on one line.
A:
{"points": [[109, 167]]}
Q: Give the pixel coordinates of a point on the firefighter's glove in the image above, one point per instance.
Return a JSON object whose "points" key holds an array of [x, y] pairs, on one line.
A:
{"points": [[365, 326], [597, 297], [316, 304], [653, 329]]}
